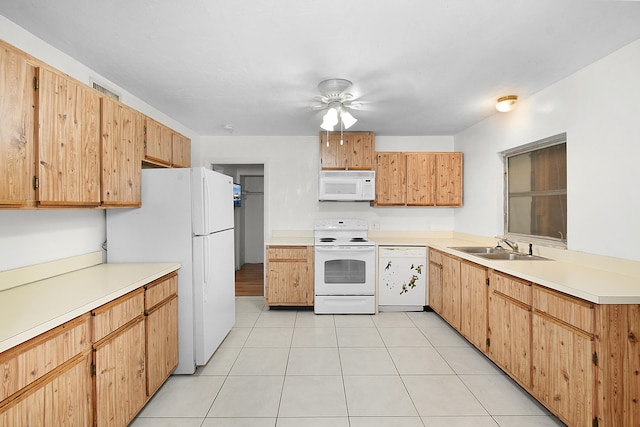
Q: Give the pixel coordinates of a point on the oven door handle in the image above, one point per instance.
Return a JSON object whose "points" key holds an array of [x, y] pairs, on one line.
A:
{"points": [[345, 248]]}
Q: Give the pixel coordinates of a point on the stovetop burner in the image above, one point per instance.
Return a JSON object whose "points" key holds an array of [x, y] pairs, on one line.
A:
{"points": [[327, 239], [358, 239]]}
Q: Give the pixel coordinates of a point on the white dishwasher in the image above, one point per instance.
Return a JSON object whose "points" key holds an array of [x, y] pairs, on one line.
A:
{"points": [[402, 278]]}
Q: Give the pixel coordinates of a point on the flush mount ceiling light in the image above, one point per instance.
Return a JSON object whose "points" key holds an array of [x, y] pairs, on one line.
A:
{"points": [[506, 103], [337, 102]]}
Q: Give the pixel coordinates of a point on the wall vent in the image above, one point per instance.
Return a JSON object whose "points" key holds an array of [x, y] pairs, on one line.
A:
{"points": [[109, 93]]}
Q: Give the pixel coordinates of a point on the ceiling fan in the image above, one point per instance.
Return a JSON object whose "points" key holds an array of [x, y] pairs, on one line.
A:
{"points": [[337, 101]]}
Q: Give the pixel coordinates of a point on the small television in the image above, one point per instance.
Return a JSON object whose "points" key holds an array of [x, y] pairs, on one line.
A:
{"points": [[237, 194]]}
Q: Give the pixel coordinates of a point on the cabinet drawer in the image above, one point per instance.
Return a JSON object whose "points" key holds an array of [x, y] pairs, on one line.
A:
{"points": [[435, 257], [24, 364], [573, 311], [513, 287], [287, 252], [160, 290], [115, 314]]}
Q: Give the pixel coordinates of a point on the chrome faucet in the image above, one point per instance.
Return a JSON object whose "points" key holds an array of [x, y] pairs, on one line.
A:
{"points": [[513, 245]]}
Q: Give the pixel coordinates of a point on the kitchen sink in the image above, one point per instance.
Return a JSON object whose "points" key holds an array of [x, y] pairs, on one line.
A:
{"points": [[511, 256], [475, 250], [497, 253]]}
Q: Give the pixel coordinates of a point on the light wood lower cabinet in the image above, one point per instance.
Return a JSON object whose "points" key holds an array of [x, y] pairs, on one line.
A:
{"points": [[435, 280], [473, 300], [509, 331], [119, 360], [47, 380], [289, 275], [161, 310], [563, 355], [98, 369], [451, 290]]}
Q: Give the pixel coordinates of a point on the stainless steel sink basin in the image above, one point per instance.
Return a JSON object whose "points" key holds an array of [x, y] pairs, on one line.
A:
{"points": [[511, 256], [474, 250], [497, 253]]}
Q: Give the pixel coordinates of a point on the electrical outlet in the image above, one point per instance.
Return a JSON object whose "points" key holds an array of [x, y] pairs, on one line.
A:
{"points": [[374, 225]]}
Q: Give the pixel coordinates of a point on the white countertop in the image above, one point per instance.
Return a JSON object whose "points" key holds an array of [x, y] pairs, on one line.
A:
{"points": [[27, 311], [595, 279], [592, 284]]}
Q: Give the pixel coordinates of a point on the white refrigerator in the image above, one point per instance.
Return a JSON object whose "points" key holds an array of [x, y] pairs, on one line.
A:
{"points": [[186, 217]]}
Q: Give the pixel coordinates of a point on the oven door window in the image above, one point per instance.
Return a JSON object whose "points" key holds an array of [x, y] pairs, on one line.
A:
{"points": [[345, 271]]}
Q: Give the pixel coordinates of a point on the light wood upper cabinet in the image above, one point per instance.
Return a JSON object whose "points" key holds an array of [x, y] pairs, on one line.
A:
{"points": [[448, 190], [122, 133], [68, 158], [289, 275], [17, 139], [180, 151], [391, 181], [474, 297], [157, 143], [357, 150], [418, 179]]}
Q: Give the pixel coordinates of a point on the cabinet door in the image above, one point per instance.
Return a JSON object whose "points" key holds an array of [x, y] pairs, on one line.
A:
{"points": [[474, 301], [162, 343], [180, 151], [360, 150], [157, 145], [289, 276], [510, 326], [435, 286], [68, 142], [391, 182], [563, 370], [122, 133], [63, 399], [421, 179], [333, 152], [451, 290], [120, 375], [17, 139], [449, 179]]}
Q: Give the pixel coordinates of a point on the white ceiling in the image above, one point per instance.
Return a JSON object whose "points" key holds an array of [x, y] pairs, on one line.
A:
{"points": [[420, 67]]}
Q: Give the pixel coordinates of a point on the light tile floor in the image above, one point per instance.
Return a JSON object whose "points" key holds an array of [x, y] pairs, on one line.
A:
{"points": [[281, 368]]}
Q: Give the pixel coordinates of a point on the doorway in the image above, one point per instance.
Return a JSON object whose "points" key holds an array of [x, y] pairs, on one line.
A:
{"points": [[249, 219]]}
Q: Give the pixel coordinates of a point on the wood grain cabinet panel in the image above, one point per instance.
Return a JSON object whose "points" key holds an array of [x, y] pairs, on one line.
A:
{"points": [[289, 275], [180, 151], [349, 150], [121, 375], [451, 290], [509, 330], [109, 317], [157, 143], [63, 398], [418, 179], [391, 179], [122, 135], [161, 310], [68, 159], [435, 281], [17, 139], [474, 300]]}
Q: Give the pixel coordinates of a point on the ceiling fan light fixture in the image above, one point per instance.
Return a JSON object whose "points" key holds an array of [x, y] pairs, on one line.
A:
{"points": [[506, 103], [347, 119]]}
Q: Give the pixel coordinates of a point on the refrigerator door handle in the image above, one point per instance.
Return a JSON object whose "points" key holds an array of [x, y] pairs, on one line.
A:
{"points": [[205, 206], [207, 267]]}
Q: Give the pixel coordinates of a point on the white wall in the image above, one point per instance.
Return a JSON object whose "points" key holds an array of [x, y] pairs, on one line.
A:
{"points": [[599, 109], [291, 181], [33, 237]]}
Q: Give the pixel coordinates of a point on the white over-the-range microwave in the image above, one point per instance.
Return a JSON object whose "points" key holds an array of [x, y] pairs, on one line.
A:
{"points": [[347, 185]]}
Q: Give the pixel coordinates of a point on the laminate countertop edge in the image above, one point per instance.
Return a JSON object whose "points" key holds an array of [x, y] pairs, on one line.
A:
{"points": [[29, 310]]}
